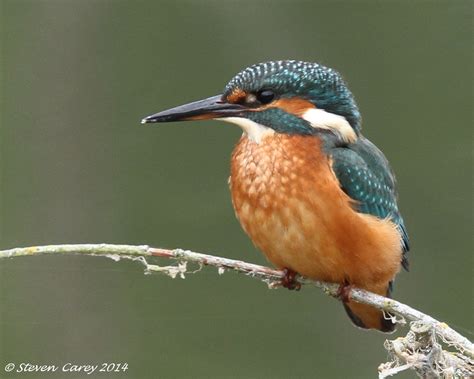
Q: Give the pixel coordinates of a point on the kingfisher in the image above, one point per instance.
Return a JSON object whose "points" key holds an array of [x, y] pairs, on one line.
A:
{"points": [[312, 193]]}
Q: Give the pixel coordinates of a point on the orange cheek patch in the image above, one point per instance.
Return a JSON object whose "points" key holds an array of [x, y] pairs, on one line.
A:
{"points": [[293, 105], [236, 96]]}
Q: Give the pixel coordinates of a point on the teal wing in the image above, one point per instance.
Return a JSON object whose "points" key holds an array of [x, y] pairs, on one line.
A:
{"points": [[365, 175]]}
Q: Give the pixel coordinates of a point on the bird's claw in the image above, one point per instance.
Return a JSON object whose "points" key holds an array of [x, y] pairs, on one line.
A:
{"points": [[289, 280], [344, 292]]}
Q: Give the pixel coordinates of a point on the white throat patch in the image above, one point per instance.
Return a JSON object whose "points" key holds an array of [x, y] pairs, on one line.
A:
{"points": [[319, 118], [254, 130]]}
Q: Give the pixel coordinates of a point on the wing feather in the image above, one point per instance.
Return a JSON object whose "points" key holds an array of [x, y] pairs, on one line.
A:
{"points": [[365, 175]]}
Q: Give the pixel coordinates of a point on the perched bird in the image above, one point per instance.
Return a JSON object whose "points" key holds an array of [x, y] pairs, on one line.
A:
{"points": [[314, 195]]}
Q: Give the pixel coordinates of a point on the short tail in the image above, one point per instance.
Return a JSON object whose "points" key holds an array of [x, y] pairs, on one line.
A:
{"points": [[367, 317]]}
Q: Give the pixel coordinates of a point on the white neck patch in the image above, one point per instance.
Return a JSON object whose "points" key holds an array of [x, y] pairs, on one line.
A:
{"points": [[254, 130], [319, 118]]}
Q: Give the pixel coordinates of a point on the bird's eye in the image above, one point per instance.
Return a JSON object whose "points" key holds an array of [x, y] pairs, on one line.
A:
{"points": [[265, 96]]}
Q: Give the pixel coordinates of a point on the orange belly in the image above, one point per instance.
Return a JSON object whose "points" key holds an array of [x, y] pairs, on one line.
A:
{"points": [[289, 202]]}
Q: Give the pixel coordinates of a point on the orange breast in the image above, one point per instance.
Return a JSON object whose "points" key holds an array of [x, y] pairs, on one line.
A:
{"points": [[290, 204]]}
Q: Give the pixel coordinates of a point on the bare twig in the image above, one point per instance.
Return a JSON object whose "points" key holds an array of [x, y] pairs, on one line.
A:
{"points": [[424, 355]]}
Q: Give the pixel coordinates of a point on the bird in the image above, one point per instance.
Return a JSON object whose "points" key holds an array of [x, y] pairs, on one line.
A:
{"points": [[312, 193]]}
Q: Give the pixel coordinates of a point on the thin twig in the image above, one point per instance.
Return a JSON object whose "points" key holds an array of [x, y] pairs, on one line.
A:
{"points": [[271, 276]]}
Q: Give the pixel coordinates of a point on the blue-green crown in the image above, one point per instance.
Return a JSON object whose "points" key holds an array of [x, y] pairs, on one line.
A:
{"points": [[322, 86]]}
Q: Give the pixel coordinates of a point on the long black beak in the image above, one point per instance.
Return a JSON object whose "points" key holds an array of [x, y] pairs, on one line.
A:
{"points": [[212, 107]]}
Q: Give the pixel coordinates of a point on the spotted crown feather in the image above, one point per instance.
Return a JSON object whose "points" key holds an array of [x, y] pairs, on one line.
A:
{"points": [[321, 85]]}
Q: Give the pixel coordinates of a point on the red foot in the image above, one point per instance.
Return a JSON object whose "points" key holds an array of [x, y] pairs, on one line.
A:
{"points": [[289, 280], [344, 292]]}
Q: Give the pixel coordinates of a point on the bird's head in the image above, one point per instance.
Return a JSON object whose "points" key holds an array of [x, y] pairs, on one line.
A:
{"points": [[289, 97]]}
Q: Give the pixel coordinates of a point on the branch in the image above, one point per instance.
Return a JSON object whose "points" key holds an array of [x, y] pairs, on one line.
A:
{"points": [[419, 350]]}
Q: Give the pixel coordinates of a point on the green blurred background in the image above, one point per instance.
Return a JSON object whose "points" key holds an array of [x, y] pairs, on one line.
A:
{"points": [[77, 166]]}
